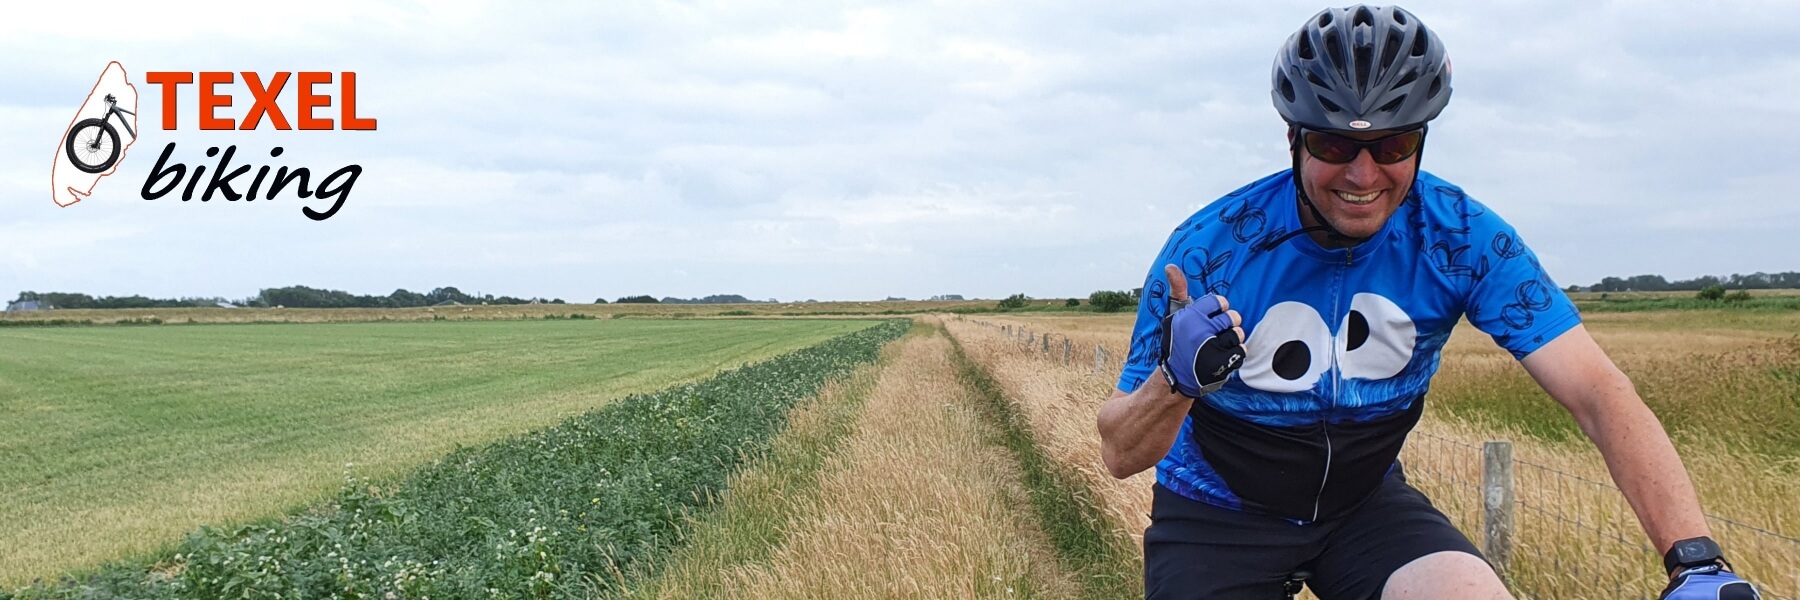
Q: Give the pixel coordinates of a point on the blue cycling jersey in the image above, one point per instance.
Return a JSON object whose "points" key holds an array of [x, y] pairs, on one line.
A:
{"points": [[1342, 343]]}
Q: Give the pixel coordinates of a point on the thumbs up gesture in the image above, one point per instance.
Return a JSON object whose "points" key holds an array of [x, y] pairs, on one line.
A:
{"points": [[1202, 339]]}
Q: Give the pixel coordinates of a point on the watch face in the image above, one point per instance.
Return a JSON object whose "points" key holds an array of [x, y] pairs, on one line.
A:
{"points": [[1689, 552]]}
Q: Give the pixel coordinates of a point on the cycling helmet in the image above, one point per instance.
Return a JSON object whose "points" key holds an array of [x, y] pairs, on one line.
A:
{"points": [[1361, 68]]}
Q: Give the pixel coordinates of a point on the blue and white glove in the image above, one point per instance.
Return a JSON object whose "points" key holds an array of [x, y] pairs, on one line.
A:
{"points": [[1200, 349], [1711, 582]]}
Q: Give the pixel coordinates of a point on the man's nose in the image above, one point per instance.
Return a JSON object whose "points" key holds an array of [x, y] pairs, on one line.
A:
{"points": [[1362, 171]]}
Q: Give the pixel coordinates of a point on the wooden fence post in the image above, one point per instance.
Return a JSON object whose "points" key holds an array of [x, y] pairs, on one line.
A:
{"points": [[1046, 348], [1497, 502], [1068, 350], [1099, 359]]}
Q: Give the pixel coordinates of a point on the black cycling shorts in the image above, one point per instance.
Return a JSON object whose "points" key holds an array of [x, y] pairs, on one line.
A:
{"points": [[1197, 550]]}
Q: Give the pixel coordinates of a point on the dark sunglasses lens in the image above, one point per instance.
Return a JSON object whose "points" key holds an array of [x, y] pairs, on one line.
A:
{"points": [[1397, 148], [1330, 148]]}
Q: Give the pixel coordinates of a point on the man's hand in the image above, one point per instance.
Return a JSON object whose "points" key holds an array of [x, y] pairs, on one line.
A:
{"points": [[1202, 341], [1711, 582]]}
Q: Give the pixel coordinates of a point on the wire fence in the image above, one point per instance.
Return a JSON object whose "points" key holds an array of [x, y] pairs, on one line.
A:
{"points": [[1551, 531]]}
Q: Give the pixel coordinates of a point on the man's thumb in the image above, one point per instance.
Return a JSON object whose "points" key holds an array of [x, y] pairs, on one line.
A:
{"points": [[1178, 283]]}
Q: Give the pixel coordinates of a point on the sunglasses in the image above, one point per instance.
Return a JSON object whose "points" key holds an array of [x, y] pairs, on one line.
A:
{"points": [[1337, 149]]}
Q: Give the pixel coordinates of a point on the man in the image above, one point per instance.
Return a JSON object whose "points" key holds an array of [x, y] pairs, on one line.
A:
{"points": [[1276, 452]]}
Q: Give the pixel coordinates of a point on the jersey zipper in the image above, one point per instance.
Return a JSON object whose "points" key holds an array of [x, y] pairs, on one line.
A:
{"points": [[1337, 299]]}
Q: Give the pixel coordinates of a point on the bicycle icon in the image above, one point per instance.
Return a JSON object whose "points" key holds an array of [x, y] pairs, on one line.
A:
{"points": [[93, 144]]}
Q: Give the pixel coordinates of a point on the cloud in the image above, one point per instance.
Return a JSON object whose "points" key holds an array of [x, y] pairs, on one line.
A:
{"points": [[834, 150]]}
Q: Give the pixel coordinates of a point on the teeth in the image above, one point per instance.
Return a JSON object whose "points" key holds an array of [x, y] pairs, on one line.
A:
{"points": [[1358, 199]]}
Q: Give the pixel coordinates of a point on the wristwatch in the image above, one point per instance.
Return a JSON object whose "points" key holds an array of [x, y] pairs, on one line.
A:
{"points": [[1692, 552]]}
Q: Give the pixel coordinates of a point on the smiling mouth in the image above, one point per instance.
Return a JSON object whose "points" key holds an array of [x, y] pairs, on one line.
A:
{"points": [[1363, 200]]}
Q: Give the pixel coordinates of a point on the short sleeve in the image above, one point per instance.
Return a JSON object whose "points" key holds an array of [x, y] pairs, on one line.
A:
{"points": [[1515, 301], [1146, 335]]}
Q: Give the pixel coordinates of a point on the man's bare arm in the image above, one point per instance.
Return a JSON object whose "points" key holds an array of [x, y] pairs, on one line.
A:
{"points": [[1578, 374], [1137, 429]]}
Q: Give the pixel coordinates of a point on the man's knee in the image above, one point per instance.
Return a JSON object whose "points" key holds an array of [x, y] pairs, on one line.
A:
{"points": [[1445, 575]]}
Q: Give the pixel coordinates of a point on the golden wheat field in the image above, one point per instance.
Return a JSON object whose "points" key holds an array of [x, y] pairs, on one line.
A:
{"points": [[1727, 386]]}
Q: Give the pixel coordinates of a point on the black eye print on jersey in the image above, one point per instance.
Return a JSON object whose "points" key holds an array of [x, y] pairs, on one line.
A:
{"points": [[1288, 351], [1376, 340], [1292, 359]]}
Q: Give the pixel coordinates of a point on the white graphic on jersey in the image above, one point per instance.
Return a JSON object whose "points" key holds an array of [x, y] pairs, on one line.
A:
{"points": [[1285, 352], [1376, 339]]}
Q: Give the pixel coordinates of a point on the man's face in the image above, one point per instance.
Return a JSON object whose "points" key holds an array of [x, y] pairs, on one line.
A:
{"points": [[1356, 197]]}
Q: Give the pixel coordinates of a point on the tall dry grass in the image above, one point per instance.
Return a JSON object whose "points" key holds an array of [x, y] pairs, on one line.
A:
{"points": [[916, 503], [757, 508], [1576, 536]]}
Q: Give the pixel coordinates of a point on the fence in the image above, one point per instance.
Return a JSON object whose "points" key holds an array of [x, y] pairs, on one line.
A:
{"points": [[1550, 533]]}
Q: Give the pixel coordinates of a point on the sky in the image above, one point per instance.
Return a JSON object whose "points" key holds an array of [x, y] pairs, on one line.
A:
{"points": [[850, 151]]}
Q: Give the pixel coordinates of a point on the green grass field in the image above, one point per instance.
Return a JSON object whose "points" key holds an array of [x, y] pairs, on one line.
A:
{"points": [[118, 440]]}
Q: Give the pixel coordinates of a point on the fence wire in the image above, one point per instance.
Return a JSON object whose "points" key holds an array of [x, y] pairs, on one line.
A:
{"points": [[1574, 536]]}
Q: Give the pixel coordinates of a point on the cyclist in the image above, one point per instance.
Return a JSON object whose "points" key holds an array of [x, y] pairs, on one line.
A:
{"points": [[1276, 452]]}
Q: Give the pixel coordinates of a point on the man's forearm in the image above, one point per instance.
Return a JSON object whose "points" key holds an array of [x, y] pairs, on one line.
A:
{"points": [[1137, 429], [1645, 466]]}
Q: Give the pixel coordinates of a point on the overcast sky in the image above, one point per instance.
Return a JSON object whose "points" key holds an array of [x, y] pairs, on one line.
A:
{"points": [[828, 150]]}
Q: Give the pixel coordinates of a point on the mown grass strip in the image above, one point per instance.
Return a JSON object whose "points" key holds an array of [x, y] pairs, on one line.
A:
{"points": [[556, 513], [1066, 509]]}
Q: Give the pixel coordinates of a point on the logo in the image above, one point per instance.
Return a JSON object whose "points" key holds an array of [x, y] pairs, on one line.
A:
{"points": [[1359, 124], [92, 147]]}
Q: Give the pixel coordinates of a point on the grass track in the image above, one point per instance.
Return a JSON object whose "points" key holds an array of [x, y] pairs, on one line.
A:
{"points": [[892, 486], [118, 440], [1066, 508]]}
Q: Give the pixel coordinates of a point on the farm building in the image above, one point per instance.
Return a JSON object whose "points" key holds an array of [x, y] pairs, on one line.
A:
{"points": [[25, 305]]}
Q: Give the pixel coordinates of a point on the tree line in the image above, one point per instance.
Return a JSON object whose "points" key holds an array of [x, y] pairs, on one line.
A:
{"points": [[1656, 283], [298, 296]]}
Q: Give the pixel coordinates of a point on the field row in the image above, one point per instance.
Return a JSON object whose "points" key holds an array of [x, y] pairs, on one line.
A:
{"points": [[562, 512]]}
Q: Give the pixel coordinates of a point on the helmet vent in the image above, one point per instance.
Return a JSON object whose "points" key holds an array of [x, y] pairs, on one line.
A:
{"points": [[1362, 17], [1329, 105], [1314, 79], [1421, 43], [1390, 50], [1287, 88], [1334, 51], [1410, 76], [1306, 47], [1365, 61], [1393, 105], [1324, 18], [1399, 17], [1437, 85]]}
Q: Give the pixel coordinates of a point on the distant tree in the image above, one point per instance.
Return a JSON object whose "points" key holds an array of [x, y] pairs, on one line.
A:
{"points": [[1015, 301], [638, 300], [1712, 292], [1111, 301], [1072, 302], [1738, 296], [599, 301]]}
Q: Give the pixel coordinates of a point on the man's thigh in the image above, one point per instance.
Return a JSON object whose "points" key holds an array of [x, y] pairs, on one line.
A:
{"points": [[1395, 527], [1196, 550]]}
